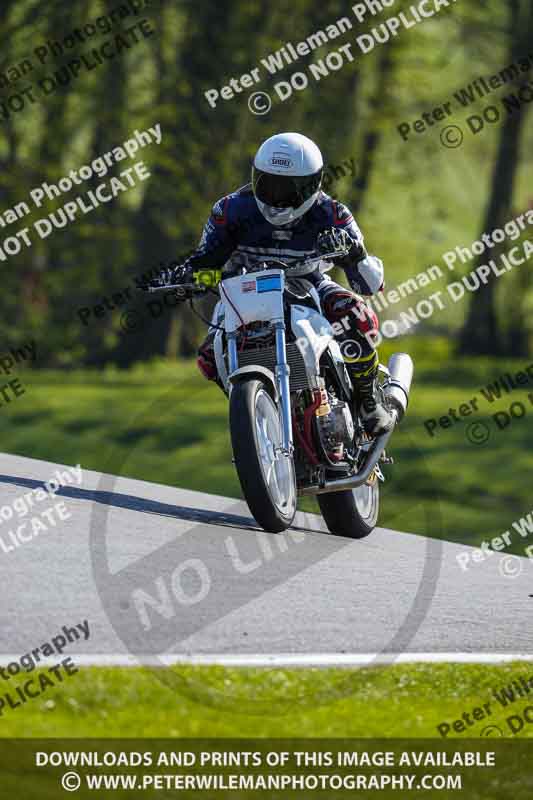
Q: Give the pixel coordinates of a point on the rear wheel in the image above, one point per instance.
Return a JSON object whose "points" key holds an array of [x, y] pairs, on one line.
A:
{"points": [[267, 476], [352, 513]]}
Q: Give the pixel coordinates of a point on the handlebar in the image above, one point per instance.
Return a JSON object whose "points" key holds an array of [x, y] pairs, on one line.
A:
{"points": [[184, 291], [307, 261], [197, 288], [324, 257], [187, 290]]}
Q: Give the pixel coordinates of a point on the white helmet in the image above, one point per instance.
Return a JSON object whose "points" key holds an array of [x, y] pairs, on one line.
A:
{"points": [[286, 177]]}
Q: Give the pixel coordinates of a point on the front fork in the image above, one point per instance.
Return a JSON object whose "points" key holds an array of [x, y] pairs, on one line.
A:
{"points": [[282, 379], [283, 372]]}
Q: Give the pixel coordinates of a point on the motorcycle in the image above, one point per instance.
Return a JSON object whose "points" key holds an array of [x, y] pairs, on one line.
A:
{"points": [[293, 423]]}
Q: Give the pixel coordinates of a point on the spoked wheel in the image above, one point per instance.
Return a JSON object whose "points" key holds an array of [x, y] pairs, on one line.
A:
{"points": [[266, 475], [352, 513]]}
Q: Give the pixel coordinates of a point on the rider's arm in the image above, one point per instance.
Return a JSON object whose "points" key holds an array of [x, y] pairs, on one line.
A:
{"points": [[364, 272], [218, 240]]}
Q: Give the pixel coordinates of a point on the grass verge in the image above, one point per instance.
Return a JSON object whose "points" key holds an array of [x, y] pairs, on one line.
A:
{"points": [[395, 701]]}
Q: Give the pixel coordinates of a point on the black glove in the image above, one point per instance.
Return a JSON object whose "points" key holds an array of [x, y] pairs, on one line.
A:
{"points": [[177, 275], [337, 239], [169, 277]]}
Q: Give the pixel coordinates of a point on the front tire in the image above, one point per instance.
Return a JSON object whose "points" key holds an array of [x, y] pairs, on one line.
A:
{"points": [[267, 477], [352, 513]]}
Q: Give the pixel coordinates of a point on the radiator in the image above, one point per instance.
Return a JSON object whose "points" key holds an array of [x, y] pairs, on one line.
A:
{"points": [[266, 357]]}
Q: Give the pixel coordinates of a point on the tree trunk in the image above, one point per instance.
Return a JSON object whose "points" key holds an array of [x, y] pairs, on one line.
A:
{"points": [[372, 136], [482, 334]]}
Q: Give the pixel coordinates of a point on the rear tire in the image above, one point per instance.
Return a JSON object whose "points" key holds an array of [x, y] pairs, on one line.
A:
{"points": [[352, 513], [268, 481]]}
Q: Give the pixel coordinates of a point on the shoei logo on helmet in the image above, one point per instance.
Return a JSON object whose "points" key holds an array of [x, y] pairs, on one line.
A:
{"points": [[281, 160]]}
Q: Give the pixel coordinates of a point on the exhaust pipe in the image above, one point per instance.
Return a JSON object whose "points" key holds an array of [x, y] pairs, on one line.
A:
{"points": [[396, 389], [398, 385], [372, 457]]}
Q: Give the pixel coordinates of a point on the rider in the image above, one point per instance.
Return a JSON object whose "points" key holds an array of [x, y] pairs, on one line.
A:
{"points": [[284, 214]]}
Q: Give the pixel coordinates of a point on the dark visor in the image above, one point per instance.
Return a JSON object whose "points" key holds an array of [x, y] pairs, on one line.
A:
{"points": [[284, 191]]}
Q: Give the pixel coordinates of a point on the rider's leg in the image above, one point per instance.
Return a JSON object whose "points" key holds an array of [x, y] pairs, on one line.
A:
{"points": [[357, 342], [206, 352], [206, 358]]}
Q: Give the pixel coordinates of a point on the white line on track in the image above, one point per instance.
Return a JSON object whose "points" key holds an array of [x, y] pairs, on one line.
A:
{"points": [[323, 660]]}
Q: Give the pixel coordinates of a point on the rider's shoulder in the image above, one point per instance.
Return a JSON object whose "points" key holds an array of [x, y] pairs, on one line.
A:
{"points": [[333, 212], [234, 206]]}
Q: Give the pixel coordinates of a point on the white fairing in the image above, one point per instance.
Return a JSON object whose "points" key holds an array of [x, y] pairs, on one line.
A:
{"points": [[219, 358], [372, 271], [258, 297], [255, 297], [313, 335]]}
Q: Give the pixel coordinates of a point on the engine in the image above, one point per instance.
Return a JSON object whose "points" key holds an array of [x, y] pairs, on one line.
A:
{"points": [[335, 426]]}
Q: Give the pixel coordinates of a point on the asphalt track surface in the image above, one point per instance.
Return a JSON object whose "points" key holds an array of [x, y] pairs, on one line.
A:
{"points": [[164, 572]]}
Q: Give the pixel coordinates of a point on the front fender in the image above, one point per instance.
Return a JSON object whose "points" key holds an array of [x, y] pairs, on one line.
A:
{"points": [[256, 371]]}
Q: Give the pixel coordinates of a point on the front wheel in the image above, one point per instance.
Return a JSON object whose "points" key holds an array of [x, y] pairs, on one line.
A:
{"points": [[352, 513], [267, 476]]}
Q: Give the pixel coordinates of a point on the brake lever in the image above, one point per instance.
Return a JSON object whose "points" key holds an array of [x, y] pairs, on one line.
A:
{"points": [[336, 254], [193, 288], [323, 257]]}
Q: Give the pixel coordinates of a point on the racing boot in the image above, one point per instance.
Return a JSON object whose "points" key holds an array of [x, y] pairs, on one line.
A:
{"points": [[375, 416]]}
